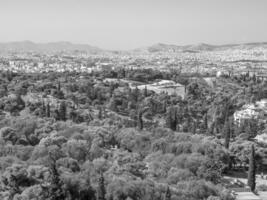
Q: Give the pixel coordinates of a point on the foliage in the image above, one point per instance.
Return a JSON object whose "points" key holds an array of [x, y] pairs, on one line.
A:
{"points": [[77, 136]]}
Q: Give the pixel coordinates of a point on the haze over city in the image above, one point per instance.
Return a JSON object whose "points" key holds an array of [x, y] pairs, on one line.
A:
{"points": [[125, 24]]}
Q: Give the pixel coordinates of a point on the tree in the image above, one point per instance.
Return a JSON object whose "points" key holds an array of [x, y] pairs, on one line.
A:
{"points": [[145, 92], [165, 106], [140, 122], [14, 187], [48, 110], [55, 188], [63, 111], [56, 114], [252, 169], [101, 191], [58, 86], [252, 127], [205, 121], [73, 115], [43, 109], [9, 75], [171, 118], [135, 94], [100, 112], [9, 134], [227, 133], [167, 194], [211, 170], [59, 93], [113, 104]]}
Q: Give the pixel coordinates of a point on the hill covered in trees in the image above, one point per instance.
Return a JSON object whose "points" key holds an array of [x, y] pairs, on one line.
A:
{"points": [[75, 136]]}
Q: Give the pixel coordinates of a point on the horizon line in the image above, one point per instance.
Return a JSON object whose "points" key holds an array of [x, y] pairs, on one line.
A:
{"points": [[157, 43]]}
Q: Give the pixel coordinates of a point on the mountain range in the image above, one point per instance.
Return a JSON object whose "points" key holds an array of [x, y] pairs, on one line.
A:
{"points": [[28, 46], [204, 47]]}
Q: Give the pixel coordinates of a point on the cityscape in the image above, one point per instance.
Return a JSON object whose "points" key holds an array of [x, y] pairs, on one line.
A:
{"points": [[133, 100]]}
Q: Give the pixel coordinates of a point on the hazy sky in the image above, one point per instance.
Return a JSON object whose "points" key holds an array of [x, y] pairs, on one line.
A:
{"points": [[127, 24]]}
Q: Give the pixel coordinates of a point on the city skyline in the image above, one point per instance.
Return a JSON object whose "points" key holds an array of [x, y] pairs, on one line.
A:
{"points": [[124, 25]]}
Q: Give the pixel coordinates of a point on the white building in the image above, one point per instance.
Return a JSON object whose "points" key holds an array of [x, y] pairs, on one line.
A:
{"points": [[250, 111], [167, 86]]}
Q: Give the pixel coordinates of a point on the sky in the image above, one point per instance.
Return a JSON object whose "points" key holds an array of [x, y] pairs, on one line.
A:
{"points": [[129, 24]]}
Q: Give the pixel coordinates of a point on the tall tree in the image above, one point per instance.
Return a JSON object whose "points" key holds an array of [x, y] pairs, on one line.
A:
{"points": [[227, 134], [48, 110], [252, 170], [165, 106], [54, 190], [73, 114], [140, 122], [167, 195], [43, 109], [9, 75], [135, 94], [205, 121], [100, 112], [145, 92], [13, 186], [58, 86], [63, 111], [101, 191], [113, 104], [171, 118]]}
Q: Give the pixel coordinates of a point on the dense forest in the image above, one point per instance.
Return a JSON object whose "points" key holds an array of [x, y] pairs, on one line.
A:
{"points": [[75, 136]]}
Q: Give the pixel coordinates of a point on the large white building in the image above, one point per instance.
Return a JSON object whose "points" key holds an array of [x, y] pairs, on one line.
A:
{"points": [[167, 86], [250, 111]]}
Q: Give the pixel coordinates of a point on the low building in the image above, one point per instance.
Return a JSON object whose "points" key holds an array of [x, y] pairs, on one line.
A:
{"points": [[166, 86]]}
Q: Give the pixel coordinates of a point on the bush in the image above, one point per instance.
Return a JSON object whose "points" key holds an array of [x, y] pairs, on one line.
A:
{"points": [[262, 187]]}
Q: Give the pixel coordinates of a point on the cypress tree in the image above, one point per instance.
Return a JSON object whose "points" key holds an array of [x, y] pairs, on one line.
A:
{"points": [[56, 115], [194, 127], [252, 170], [171, 118], [100, 112], [113, 104], [136, 94], [167, 194], [55, 190], [9, 75], [140, 120], [63, 111], [145, 92], [206, 121], [227, 133], [165, 107], [58, 86], [43, 109], [48, 110], [73, 114], [101, 191]]}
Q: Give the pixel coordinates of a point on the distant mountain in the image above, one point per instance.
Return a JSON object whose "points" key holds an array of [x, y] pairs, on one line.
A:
{"points": [[163, 47], [28, 46], [200, 47], [160, 47]]}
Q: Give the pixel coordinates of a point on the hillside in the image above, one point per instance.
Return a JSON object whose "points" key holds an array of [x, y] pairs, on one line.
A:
{"points": [[28, 46], [160, 47]]}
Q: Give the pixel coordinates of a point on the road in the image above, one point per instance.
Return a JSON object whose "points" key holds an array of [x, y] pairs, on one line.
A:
{"points": [[247, 196]]}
